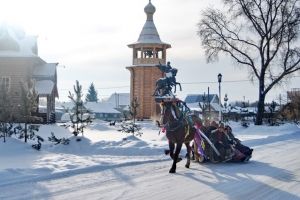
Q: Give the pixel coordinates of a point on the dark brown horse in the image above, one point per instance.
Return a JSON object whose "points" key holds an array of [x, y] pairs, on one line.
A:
{"points": [[178, 130]]}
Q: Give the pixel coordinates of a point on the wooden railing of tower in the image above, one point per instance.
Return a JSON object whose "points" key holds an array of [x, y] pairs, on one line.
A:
{"points": [[139, 61]]}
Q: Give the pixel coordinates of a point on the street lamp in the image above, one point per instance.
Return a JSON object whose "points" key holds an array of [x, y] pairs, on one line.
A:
{"points": [[220, 80]]}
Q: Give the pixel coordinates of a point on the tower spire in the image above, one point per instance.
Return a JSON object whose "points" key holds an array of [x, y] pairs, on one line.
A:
{"points": [[149, 33]]}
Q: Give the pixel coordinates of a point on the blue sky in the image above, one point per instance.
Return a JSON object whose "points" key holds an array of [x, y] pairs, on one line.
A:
{"points": [[89, 39]]}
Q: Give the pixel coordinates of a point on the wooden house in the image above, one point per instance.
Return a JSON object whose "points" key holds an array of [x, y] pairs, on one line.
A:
{"points": [[19, 63], [206, 106]]}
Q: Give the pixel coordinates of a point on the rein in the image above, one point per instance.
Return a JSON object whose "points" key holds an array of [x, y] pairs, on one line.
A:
{"points": [[167, 126]]}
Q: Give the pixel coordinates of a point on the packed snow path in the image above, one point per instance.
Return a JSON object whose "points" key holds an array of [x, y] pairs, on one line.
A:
{"points": [[272, 173]]}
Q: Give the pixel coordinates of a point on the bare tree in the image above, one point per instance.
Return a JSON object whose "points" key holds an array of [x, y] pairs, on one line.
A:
{"points": [[258, 34]]}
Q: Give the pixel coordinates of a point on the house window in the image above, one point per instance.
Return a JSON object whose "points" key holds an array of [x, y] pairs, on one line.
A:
{"points": [[5, 82], [99, 115], [43, 104]]}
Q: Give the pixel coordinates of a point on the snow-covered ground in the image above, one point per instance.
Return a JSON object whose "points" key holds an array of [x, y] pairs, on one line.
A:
{"points": [[105, 166]]}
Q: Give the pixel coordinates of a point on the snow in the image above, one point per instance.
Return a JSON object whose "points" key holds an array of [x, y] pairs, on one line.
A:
{"points": [[11, 36], [101, 107], [44, 87], [104, 165], [45, 70]]}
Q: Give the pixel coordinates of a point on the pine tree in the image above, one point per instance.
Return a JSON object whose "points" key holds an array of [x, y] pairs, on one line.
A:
{"points": [[29, 105], [92, 94], [79, 115], [133, 112], [133, 108], [132, 127], [5, 112]]}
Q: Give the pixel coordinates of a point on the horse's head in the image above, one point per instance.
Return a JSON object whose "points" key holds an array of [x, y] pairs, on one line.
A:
{"points": [[169, 112], [174, 71]]}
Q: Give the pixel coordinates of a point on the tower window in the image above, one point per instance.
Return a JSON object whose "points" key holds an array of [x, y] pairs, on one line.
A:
{"points": [[148, 53]]}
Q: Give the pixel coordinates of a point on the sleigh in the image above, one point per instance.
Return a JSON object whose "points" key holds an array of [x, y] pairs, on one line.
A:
{"points": [[207, 150]]}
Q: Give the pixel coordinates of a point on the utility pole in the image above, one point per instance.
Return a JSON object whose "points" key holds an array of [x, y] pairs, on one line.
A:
{"points": [[220, 108]]}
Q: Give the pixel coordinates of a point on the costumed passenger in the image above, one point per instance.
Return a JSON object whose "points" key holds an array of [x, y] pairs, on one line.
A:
{"points": [[221, 142], [242, 152], [198, 146]]}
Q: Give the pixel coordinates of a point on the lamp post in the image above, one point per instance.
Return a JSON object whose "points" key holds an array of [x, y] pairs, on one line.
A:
{"points": [[220, 80]]}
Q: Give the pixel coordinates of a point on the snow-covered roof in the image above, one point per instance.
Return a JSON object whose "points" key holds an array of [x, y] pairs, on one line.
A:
{"points": [[194, 106], [44, 87], [119, 99], [15, 43], [149, 34], [64, 105], [46, 70], [100, 107], [216, 106], [195, 98], [239, 110], [252, 109]]}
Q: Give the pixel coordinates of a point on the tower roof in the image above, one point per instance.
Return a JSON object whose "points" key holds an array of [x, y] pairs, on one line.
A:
{"points": [[149, 34]]}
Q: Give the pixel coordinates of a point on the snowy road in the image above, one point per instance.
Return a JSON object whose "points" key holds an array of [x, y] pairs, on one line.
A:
{"points": [[273, 173]]}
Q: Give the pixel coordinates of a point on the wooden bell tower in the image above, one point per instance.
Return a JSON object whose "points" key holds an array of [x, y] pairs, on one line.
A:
{"points": [[148, 52]]}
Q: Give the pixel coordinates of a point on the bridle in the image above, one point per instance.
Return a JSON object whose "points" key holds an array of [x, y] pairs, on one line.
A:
{"points": [[170, 117]]}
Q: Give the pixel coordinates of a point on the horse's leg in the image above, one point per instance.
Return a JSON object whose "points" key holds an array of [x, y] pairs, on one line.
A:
{"points": [[179, 85], [188, 154], [171, 149], [171, 152], [154, 93], [176, 155], [156, 90]]}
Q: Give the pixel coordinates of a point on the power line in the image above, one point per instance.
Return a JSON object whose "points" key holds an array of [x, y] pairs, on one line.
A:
{"points": [[125, 86], [230, 81], [212, 82], [102, 88], [183, 83]]}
